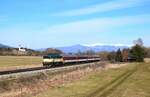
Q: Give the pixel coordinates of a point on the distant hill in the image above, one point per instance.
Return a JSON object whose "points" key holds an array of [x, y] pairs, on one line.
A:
{"points": [[8, 50], [82, 48], [4, 46]]}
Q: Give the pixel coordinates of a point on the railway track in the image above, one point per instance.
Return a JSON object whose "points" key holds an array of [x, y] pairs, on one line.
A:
{"points": [[22, 70], [35, 69]]}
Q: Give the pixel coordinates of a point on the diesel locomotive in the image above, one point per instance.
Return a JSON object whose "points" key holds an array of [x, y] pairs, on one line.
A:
{"points": [[57, 59]]}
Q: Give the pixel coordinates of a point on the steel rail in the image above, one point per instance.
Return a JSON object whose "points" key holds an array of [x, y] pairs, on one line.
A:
{"points": [[36, 68]]}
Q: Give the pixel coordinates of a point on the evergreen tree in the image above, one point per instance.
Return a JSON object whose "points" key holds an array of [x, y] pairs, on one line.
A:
{"points": [[118, 57], [138, 52]]}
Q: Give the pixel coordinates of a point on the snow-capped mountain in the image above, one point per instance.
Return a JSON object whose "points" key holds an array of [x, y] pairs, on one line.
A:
{"points": [[96, 48]]}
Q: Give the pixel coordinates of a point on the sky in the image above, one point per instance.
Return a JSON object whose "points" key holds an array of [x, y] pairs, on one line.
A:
{"points": [[56, 23]]}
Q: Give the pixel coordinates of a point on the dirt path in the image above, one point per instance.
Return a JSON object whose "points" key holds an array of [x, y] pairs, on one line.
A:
{"points": [[107, 89]]}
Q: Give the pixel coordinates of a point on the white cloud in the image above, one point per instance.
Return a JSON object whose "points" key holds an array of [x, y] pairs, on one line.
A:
{"points": [[99, 24], [104, 7], [103, 44]]}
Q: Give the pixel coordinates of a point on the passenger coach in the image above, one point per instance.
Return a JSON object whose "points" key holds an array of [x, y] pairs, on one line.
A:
{"points": [[57, 59]]}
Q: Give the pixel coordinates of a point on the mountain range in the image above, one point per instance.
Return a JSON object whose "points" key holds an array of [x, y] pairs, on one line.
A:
{"points": [[4, 46], [83, 48]]}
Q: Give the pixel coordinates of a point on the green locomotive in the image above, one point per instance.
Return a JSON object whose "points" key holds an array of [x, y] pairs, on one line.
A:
{"points": [[52, 59]]}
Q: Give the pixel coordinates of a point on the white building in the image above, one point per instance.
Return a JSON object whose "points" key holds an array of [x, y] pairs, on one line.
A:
{"points": [[22, 51]]}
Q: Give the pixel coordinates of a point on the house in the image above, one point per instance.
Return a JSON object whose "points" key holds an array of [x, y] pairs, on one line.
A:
{"points": [[22, 51]]}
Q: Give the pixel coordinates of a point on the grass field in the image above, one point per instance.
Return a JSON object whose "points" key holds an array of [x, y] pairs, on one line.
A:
{"points": [[132, 80], [10, 61]]}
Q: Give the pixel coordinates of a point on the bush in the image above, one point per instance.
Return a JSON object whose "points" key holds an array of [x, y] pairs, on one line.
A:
{"points": [[138, 53]]}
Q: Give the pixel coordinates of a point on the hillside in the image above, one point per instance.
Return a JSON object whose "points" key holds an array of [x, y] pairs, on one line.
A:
{"points": [[3, 46]]}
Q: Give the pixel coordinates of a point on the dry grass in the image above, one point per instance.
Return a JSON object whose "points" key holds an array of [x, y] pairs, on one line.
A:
{"points": [[25, 86], [118, 82], [19, 86], [147, 60], [131, 80], [14, 62]]}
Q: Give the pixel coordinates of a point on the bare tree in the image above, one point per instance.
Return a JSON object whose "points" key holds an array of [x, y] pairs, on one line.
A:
{"points": [[52, 51], [125, 54], [139, 42], [103, 55]]}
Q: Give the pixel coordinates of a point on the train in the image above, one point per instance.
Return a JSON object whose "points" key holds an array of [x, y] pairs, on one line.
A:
{"points": [[52, 60]]}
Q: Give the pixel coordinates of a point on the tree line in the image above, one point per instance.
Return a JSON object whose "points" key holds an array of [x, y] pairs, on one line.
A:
{"points": [[136, 53], [27, 52]]}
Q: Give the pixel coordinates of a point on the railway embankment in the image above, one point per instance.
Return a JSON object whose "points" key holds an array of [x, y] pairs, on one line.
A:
{"points": [[31, 83]]}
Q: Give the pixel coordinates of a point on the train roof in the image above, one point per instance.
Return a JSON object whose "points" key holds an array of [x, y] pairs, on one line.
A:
{"points": [[54, 55], [66, 55]]}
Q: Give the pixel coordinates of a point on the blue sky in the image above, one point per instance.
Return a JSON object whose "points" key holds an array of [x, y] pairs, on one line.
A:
{"points": [[55, 23]]}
